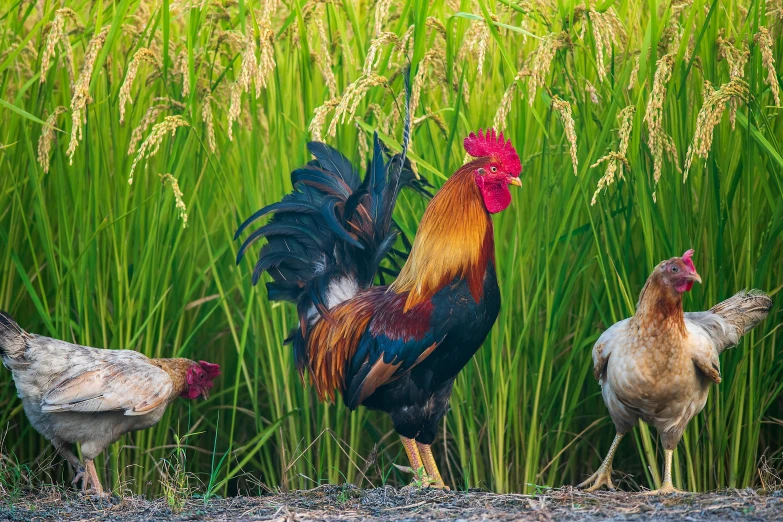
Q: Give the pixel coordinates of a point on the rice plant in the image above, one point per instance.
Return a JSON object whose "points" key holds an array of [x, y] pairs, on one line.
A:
{"points": [[134, 134]]}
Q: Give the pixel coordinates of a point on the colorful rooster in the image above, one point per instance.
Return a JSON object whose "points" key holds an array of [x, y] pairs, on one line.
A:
{"points": [[395, 348]]}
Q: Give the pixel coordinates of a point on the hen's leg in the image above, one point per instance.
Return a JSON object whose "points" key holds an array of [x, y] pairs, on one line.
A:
{"points": [[66, 450], [666, 487], [603, 477], [93, 480], [436, 481]]}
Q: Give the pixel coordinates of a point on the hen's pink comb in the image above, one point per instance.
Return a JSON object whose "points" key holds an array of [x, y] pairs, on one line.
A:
{"points": [[213, 370], [494, 146], [686, 258]]}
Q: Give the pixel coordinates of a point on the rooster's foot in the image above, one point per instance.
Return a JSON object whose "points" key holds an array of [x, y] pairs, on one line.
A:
{"points": [[602, 477], [667, 488]]}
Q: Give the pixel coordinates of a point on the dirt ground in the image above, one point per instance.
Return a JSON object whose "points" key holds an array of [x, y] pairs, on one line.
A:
{"points": [[385, 504]]}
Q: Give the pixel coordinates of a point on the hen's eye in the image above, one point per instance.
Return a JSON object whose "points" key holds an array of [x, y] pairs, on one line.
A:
{"points": [[675, 269], [493, 168]]}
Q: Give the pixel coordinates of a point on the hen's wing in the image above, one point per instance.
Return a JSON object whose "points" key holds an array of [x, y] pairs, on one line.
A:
{"points": [[722, 327], [604, 345], [120, 380]]}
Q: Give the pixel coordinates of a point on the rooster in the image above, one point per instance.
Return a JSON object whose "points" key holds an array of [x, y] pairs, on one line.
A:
{"points": [[658, 365], [395, 348], [75, 394]]}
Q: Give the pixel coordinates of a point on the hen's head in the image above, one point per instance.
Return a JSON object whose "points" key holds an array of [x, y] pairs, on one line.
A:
{"points": [[500, 168], [679, 272], [199, 379]]}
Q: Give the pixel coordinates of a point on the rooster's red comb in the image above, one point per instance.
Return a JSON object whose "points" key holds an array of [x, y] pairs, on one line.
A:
{"points": [[686, 258], [213, 370], [494, 146]]}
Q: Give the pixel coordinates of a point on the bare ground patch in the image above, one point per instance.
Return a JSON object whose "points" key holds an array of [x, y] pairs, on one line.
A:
{"points": [[386, 504]]}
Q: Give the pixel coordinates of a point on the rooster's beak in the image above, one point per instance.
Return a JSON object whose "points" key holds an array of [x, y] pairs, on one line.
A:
{"points": [[514, 181]]}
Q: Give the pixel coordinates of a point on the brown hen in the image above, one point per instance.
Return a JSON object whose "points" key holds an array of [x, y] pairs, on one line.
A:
{"points": [[658, 365]]}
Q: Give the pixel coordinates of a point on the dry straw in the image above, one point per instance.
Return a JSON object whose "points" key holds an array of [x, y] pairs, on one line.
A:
{"points": [[142, 55], [563, 108], [180, 205], [616, 160], [47, 138], [81, 93], [710, 115], [658, 140], [764, 41], [151, 145]]}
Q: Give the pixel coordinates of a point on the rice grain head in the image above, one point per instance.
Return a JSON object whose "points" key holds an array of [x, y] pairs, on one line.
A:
{"points": [[319, 117], [206, 117], [710, 115], [179, 203], [659, 141], [764, 41], [563, 108], [57, 35], [375, 45], [146, 121], [47, 138], [542, 60], [142, 55], [325, 59], [81, 95], [381, 13], [151, 145], [353, 95], [616, 160]]}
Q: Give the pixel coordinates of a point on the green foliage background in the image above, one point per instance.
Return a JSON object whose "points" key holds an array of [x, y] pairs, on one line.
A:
{"points": [[89, 258]]}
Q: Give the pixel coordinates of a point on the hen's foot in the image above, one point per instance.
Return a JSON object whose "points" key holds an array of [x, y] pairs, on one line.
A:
{"points": [[602, 477], [91, 484], [667, 488], [79, 475]]}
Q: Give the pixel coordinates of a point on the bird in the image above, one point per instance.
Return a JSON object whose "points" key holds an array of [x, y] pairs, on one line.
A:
{"points": [[394, 347], [76, 394], [658, 365]]}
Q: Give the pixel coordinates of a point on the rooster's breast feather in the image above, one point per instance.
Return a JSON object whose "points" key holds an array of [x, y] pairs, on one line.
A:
{"points": [[371, 341]]}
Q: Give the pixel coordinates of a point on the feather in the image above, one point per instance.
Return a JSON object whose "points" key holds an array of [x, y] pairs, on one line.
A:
{"points": [[282, 206], [332, 160]]}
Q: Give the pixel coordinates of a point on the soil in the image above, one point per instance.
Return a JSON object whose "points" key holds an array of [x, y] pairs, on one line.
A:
{"points": [[342, 503]]}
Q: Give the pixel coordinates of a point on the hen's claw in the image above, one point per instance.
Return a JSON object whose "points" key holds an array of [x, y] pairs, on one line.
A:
{"points": [[667, 488], [79, 475], [602, 477]]}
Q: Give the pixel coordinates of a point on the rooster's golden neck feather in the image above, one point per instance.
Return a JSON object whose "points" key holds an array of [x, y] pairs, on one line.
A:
{"points": [[455, 238], [177, 370]]}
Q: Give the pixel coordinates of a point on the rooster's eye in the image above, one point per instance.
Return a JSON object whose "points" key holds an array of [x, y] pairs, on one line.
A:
{"points": [[493, 168]]}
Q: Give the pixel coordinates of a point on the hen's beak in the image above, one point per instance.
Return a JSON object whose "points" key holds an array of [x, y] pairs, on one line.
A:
{"points": [[205, 393], [695, 277], [514, 181]]}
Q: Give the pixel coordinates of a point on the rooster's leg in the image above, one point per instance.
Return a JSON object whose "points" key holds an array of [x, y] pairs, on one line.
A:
{"points": [[436, 481], [413, 453], [92, 479], [603, 477], [666, 487]]}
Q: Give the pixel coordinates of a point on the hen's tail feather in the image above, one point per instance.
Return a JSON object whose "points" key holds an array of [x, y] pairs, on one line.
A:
{"points": [[743, 311], [12, 337]]}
